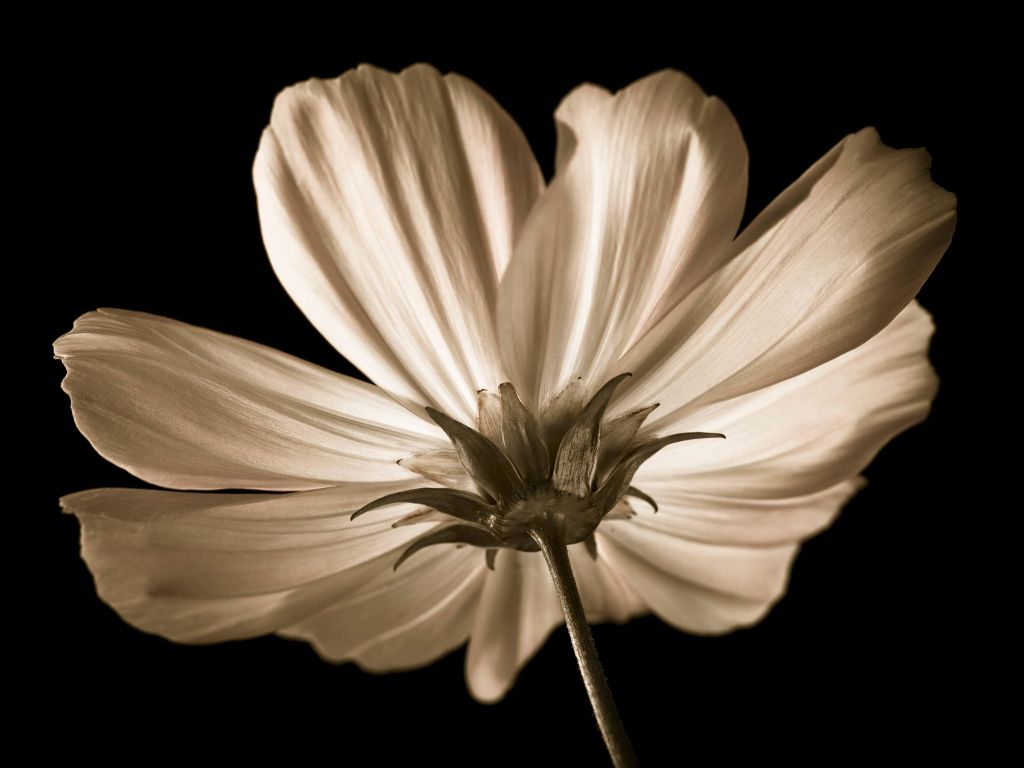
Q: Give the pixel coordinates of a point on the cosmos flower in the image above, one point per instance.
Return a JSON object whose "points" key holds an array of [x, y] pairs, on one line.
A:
{"points": [[406, 216]]}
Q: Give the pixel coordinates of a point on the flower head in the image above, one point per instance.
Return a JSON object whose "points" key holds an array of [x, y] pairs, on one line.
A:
{"points": [[406, 216]]}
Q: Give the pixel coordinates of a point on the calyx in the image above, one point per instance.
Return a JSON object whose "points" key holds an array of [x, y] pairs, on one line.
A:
{"points": [[568, 470]]}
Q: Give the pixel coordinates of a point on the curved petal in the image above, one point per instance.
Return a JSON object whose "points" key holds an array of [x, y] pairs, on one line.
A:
{"points": [[822, 270], [184, 407], [389, 205], [606, 595], [808, 433], [694, 586], [517, 611], [741, 522], [519, 608], [405, 618], [203, 568], [650, 190]]}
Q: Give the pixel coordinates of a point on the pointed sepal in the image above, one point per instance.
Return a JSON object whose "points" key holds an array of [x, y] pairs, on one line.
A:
{"points": [[616, 435], [634, 491], [617, 484], [458, 504], [576, 461], [453, 534], [521, 435], [482, 459]]}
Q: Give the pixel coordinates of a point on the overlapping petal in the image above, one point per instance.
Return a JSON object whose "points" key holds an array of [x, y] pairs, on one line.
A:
{"points": [[829, 264], [185, 407], [202, 568], [717, 554], [518, 609], [405, 618], [389, 206], [736, 521], [649, 192], [810, 432]]}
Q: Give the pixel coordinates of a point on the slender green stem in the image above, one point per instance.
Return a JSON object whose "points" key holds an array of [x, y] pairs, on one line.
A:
{"points": [[551, 540]]}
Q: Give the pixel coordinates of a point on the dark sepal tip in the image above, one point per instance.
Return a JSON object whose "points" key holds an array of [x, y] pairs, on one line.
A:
{"points": [[454, 534], [366, 508], [637, 493]]}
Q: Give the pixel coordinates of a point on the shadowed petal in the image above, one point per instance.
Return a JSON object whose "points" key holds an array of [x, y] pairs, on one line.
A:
{"points": [[389, 205], [203, 568], [517, 611], [404, 619], [184, 407], [828, 265], [648, 195], [810, 432], [519, 608], [606, 595]]}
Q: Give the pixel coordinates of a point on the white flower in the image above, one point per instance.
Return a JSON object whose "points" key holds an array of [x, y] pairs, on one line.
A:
{"points": [[406, 216]]}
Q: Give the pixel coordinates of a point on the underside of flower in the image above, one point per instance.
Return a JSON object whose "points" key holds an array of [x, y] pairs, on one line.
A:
{"points": [[567, 470]]}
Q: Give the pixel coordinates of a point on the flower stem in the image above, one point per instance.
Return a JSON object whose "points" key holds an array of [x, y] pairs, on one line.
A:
{"points": [[551, 540]]}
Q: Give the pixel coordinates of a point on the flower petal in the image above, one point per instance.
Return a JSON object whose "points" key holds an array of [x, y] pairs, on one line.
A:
{"points": [[695, 586], [441, 466], [822, 270], [185, 407], [405, 618], [606, 595], [649, 193], [203, 568], [810, 432], [741, 522], [519, 608], [389, 205]]}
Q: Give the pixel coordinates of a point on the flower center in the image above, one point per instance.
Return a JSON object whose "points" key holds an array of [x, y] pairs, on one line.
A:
{"points": [[570, 469]]}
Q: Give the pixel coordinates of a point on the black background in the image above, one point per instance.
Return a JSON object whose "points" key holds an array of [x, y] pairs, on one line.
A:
{"points": [[151, 139]]}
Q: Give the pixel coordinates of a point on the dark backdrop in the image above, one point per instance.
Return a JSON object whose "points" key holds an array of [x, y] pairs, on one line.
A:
{"points": [[152, 141]]}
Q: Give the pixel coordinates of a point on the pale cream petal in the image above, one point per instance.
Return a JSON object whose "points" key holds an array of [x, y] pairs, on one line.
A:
{"points": [[519, 608], [389, 205], [581, 113], [441, 466], [822, 270], [808, 433], [695, 586], [405, 618], [649, 193], [203, 568], [606, 595], [184, 407], [517, 611], [737, 521]]}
